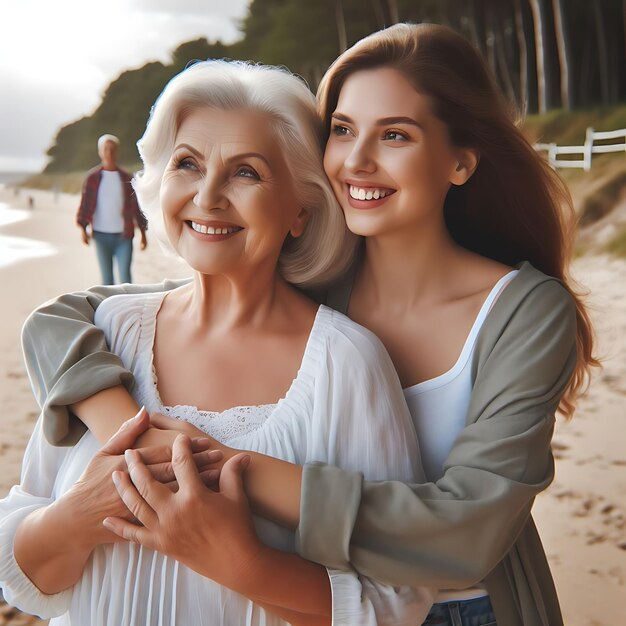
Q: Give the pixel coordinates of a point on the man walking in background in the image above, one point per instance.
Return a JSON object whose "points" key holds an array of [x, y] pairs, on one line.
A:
{"points": [[108, 206]]}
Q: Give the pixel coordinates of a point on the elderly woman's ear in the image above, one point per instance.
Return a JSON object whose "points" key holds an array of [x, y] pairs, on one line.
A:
{"points": [[299, 223]]}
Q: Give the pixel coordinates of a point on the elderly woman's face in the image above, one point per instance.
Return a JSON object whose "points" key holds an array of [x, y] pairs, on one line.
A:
{"points": [[227, 196]]}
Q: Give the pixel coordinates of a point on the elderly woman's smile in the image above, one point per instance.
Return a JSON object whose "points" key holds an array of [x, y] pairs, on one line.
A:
{"points": [[227, 194], [214, 230]]}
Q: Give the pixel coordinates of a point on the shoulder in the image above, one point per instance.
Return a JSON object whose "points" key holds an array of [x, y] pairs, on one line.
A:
{"points": [[128, 322], [93, 174], [122, 311], [345, 334], [533, 319], [533, 297], [349, 350]]}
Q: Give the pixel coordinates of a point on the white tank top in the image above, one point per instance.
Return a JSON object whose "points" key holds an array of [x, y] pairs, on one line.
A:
{"points": [[439, 409]]}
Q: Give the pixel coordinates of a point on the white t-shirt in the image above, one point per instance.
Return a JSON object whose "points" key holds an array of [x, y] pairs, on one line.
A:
{"points": [[109, 213], [337, 411]]}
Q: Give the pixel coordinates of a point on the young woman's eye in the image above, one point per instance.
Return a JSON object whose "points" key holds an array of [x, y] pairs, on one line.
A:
{"points": [[245, 171], [394, 135], [340, 131]]}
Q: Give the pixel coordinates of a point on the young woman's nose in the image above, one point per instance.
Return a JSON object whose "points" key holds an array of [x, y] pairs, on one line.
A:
{"points": [[361, 157]]}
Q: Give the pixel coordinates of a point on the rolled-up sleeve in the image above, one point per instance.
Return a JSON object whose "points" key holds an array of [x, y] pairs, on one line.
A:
{"points": [[67, 357]]}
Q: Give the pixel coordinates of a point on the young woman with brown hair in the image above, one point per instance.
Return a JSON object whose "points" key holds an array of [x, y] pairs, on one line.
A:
{"points": [[463, 275]]}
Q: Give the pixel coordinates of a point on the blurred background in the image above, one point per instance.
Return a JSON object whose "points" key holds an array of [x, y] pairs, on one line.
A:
{"points": [[71, 71]]}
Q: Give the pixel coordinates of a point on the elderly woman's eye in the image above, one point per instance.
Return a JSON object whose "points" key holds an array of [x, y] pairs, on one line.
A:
{"points": [[340, 131], [247, 172], [184, 164]]}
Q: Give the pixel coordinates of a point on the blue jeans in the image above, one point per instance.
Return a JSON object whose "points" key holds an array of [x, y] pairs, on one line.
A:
{"points": [[478, 612], [108, 247]]}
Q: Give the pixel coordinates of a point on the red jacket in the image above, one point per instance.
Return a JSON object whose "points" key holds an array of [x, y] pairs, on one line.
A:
{"points": [[131, 212]]}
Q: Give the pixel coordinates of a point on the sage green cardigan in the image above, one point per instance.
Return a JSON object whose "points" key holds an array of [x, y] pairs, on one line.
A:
{"points": [[472, 525]]}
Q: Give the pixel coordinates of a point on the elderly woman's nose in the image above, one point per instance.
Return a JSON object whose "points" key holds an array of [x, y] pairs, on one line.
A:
{"points": [[361, 157], [210, 194]]}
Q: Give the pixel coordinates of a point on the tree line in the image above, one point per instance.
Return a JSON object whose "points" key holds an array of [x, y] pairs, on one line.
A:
{"points": [[544, 54]]}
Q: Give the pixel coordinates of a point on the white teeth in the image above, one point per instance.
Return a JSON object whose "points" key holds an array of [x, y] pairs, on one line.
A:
{"points": [[211, 230], [359, 193]]}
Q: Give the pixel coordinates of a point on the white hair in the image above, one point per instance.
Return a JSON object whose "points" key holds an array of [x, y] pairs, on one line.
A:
{"points": [[326, 247], [104, 138]]}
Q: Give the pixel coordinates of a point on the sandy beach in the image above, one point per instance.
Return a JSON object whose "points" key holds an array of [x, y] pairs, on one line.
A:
{"points": [[582, 516]]}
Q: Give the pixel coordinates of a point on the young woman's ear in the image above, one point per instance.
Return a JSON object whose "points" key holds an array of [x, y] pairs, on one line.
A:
{"points": [[467, 162], [299, 223]]}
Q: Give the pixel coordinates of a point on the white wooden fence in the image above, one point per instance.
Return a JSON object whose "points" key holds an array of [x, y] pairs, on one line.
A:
{"points": [[585, 151]]}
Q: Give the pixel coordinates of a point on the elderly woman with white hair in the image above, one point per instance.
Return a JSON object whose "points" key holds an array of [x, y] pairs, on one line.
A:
{"points": [[233, 171]]}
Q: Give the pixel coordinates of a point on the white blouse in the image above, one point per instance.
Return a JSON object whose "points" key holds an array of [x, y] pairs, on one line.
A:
{"points": [[345, 407]]}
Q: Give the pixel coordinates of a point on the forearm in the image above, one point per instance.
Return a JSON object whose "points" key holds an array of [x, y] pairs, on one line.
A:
{"points": [[296, 590], [104, 412], [68, 359], [272, 486], [50, 548]]}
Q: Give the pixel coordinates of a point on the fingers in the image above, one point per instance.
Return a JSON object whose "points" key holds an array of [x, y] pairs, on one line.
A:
{"points": [[210, 478], [164, 472], [231, 479], [185, 469], [129, 431], [163, 455], [129, 531], [137, 506], [146, 488], [208, 457]]}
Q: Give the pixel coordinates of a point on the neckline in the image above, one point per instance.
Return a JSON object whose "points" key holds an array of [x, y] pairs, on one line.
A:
{"points": [[151, 308], [461, 362]]}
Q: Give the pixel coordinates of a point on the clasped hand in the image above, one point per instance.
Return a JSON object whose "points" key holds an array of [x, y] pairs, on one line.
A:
{"points": [[209, 531], [94, 497]]}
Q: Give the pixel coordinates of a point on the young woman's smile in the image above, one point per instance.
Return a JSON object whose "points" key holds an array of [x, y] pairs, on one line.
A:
{"points": [[367, 196]]}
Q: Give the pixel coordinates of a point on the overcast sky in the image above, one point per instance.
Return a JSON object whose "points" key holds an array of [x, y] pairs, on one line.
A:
{"points": [[58, 56]]}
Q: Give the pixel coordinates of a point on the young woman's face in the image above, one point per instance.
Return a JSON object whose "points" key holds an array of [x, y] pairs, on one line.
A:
{"points": [[227, 196], [388, 157]]}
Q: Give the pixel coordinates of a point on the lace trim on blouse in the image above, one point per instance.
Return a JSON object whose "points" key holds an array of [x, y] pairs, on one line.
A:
{"points": [[222, 425]]}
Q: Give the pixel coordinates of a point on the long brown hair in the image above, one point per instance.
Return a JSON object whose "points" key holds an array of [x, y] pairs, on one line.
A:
{"points": [[515, 207]]}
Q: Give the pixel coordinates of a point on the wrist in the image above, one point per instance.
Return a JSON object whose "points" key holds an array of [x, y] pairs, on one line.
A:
{"points": [[74, 527], [250, 568], [155, 437], [50, 549]]}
